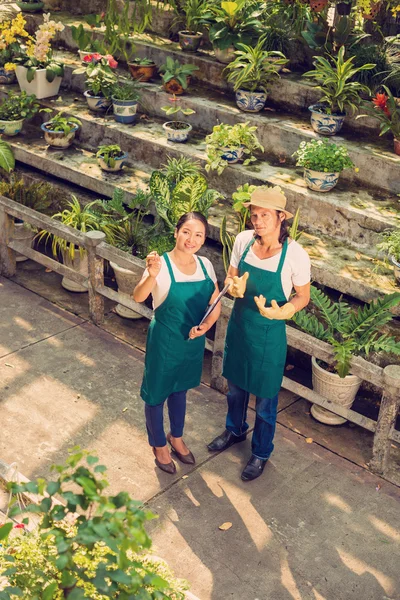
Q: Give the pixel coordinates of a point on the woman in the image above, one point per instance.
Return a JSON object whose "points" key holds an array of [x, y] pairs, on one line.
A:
{"points": [[182, 285], [265, 265]]}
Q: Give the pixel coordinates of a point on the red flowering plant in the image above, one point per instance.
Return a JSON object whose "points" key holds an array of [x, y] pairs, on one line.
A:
{"points": [[385, 108], [100, 74]]}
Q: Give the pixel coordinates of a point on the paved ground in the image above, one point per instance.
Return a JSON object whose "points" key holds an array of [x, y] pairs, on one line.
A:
{"points": [[316, 526]]}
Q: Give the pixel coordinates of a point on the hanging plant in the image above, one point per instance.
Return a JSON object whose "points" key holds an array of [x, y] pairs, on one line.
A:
{"points": [[318, 5]]}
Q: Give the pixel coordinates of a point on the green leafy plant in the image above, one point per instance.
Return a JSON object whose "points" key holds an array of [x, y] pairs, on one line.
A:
{"points": [[385, 108], [109, 154], [173, 69], [18, 106], [84, 38], [231, 137], [335, 78], [126, 90], [324, 156], [190, 14], [90, 544], [100, 74], [390, 243], [7, 160], [145, 62], [39, 196], [61, 123], [231, 23], [350, 332], [177, 169], [173, 110], [227, 239], [294, 231], [278, 39], [373, 54], [254, 69]]}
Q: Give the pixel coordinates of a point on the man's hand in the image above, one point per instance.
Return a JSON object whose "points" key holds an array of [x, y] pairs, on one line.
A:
{"points": [[198, 331], [237, 287], [275, 311]]}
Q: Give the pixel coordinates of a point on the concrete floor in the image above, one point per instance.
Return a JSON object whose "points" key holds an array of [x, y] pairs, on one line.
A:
{"points": [[315, 526]]}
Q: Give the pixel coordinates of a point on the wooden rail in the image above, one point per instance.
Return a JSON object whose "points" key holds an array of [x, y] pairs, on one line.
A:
{"points": [[388, 379]]}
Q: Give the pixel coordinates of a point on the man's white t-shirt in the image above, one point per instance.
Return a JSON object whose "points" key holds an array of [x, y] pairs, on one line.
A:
{"points": [[296, 268], [163, 279]]}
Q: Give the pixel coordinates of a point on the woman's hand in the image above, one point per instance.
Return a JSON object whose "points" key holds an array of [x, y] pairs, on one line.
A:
{"points": [[238, 285], [153, 264], [275, 311], [198, 331]]}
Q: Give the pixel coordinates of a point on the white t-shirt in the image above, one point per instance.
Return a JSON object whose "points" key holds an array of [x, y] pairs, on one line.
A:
{"points": [[296, 268], [163, 279]]}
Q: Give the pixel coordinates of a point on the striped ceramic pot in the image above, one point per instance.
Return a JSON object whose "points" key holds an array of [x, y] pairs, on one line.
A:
{"points": [[125, 110], [323, 123], [318, 181], [251, 102]]}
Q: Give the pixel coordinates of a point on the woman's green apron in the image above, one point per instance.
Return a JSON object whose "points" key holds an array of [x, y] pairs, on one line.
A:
{"points": [[255, 347], [173, 362]]}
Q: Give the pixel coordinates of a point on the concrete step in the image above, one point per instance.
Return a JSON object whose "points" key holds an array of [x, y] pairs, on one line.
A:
{"points": [[337, 264]]}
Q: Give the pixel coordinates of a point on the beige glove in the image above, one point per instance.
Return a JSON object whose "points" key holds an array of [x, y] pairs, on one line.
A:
{"points": [[238, 285], [274, 312]]}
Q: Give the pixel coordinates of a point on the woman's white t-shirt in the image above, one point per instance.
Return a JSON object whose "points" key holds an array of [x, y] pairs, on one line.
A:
{"points": [[296, 268], [163, 279]]}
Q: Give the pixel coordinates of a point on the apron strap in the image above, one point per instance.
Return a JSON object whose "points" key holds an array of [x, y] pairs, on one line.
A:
{"points": [[170, 270], [249, 245], [283, 256], [205, 272]]}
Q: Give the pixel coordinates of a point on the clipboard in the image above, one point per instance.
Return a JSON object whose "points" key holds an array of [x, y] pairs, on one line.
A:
{"points": [[214, 304]]}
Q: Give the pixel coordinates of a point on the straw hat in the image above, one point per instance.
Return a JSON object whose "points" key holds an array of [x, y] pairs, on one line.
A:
{"points": [[269, 197]]}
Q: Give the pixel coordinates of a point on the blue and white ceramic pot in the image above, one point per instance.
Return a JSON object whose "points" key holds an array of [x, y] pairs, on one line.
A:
{"points": [[396, 265], [232, 155], [226, 55], [6, 77], [11, 127], [250, 101], [58, 139], [318, 181], [97, 103], [177, 135], [324, 123], [189, 42], [119, 163], [124, 110]]}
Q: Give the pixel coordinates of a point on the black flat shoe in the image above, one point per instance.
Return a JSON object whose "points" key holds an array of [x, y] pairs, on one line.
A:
{"points": [[187, 459], [167, 467], [225, 440], [253, 469]]}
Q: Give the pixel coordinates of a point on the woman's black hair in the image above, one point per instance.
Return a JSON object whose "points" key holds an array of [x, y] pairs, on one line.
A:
{"points": [[284, 232], [192, 215]]}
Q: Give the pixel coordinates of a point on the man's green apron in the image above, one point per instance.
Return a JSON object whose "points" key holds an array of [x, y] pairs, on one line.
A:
{"points": [[255, 347], [173, 362]]}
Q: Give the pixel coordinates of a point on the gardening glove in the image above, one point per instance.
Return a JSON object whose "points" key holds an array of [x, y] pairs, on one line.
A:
{"points": [[274, 311], [237, 287]]}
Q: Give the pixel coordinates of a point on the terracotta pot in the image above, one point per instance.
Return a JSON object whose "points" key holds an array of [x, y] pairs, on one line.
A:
{"points": [[142, 72], [396, 144], [375, 8], [174, 87], [318, 5]]}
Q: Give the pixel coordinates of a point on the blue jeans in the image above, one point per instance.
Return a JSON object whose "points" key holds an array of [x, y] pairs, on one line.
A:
{"points": [[155, 419], [264, 428]]}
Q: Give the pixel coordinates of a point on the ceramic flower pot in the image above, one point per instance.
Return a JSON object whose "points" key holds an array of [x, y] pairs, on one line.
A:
{"points": [[318, 181], [189, 42], [323, 123], [175, 134], [318, 5], [97, 103], [11, 127], [30, 6], [232, 155], [396, 266], [174, 87], [6, 77], [24, 234], [125, 110], [225, 56], [142, 72], [58, 139], [79, 264], [251, 102], [119, 163], [396, 146], [39, 85], [126, 280], [341, 390]]}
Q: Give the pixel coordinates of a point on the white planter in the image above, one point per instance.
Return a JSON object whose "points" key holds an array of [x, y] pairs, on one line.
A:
{"points": [[24, 234], [11, 127], [97, 103], [79, 264], [340, 390], [39, 85], [58, 139], [126, 281]]}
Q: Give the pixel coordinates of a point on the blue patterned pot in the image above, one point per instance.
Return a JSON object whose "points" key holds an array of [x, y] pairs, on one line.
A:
{"points": [[58, 139], [124, 110], [189, 42], [176, 135], [6, 77], [11, 127], [319, 181], [250, 101], [232, 155], [97, 103], [323, 123], [119, 163]]}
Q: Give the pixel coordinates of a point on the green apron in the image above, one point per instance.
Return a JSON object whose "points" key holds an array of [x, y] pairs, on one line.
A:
{"points": [[255, 347], [173, 362]]}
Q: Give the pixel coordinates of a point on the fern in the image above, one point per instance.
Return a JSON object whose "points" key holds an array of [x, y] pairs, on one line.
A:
{"points": [[383, 343], [343, 352], [310, 324], [371, 316], [329, 311]]}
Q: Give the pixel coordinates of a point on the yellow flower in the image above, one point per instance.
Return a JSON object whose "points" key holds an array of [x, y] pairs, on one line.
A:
{"points": [[9, 67]]}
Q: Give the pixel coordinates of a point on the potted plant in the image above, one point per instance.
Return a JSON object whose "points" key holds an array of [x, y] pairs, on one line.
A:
{"points": [[344, 7], [38, 72], [251, 73], [60, 131], [111, 157], [125, 96], [340, 93], [176, 76], [369, 8], [323, 162], [14, 109], [100, 80], [7, 160], [142, 69], [191, 13], [351, 332], [385, 108], [391, 245], [86, 44], [12, 35], [318, 5], [227, 144], [32, 6], [177, 131], [231, 23]]}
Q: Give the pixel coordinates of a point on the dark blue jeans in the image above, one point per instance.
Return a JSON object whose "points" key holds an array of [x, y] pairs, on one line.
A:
{"points": [[155, 419], [264, 429]]}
